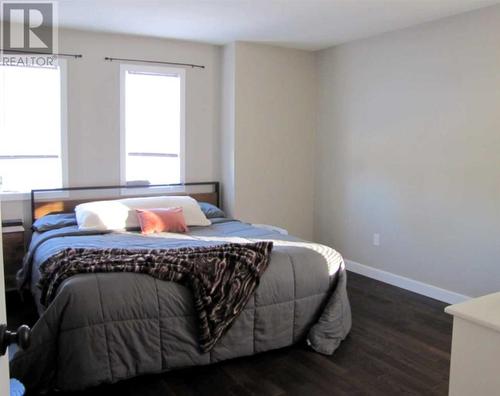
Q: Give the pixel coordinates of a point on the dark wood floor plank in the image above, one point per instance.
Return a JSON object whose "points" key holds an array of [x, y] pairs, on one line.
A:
{"points": [[399, 345], [414, 348]]}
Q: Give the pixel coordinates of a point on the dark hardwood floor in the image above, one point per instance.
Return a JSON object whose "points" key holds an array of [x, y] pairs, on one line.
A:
{"points": [[399, 345]]}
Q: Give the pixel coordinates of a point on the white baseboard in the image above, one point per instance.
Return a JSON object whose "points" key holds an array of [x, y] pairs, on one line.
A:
{"points": [[406, 283]]}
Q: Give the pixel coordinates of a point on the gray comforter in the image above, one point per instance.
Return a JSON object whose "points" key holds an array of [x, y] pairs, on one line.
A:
{"points": [[106, 327]]}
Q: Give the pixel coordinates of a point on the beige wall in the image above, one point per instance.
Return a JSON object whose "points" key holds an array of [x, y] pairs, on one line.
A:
{"points": [[94, 105], [408, 146], [227, 134], [273, 135], [250, 119]]}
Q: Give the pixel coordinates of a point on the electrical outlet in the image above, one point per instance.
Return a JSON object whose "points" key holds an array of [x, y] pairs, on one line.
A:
{"points": [[376, 239]]}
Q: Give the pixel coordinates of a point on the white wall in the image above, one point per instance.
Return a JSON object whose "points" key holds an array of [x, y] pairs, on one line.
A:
{"points": [[408, 146], [271, 128], [94, 105]]}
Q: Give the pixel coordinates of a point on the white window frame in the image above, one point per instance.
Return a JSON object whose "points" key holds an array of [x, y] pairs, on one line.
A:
{"points": [[124, 68], [26, 195]]}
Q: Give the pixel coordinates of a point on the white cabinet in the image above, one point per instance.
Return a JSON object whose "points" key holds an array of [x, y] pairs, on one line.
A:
{"points": [[475, 351]]}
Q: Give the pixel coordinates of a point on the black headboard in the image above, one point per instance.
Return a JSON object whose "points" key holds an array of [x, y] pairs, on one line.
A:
{"points": [[45, 201]]}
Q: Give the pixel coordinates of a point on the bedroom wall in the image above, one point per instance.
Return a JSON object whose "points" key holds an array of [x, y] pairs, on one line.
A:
{"points": [[227, 135], [93, 106], [408, 147], [272, 128]]}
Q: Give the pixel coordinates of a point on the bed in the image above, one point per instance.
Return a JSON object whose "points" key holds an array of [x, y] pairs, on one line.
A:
{"points": [[107, 327]]}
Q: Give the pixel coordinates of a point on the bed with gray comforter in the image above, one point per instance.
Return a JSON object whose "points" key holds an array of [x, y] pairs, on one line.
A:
{"points": [[106, 327]]}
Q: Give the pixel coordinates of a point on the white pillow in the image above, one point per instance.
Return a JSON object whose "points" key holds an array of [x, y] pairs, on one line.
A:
{"points": [[102, 215], [192, 212], [120, 214]]}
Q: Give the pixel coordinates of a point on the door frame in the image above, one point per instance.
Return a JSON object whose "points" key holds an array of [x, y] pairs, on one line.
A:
{"points": [[4, 360]]}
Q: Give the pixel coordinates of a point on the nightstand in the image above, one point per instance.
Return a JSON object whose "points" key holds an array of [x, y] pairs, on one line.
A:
{"points": [[13, 251]]}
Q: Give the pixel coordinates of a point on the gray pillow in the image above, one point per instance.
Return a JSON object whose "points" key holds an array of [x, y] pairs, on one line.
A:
{"points": [[211, 211], [54, 221]]}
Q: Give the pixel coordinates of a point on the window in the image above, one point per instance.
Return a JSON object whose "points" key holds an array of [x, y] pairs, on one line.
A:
{"points": [[152, 125], [32, 127]]}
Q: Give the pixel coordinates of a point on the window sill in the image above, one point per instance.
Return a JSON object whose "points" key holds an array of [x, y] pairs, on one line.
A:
{"points": [[6, 196], [145, 190], [14, 196]]}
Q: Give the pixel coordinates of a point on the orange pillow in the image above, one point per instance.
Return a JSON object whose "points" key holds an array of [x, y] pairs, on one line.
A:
{"points": [[161, 220]]}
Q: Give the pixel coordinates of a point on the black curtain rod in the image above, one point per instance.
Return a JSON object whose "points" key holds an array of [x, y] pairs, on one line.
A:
{"points": [[156, 62], [40, 53]]}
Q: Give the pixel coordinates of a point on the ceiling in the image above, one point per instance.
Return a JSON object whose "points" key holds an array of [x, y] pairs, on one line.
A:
{"points": [[306, 24]]}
